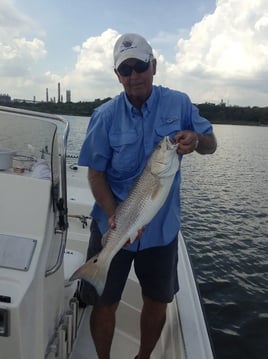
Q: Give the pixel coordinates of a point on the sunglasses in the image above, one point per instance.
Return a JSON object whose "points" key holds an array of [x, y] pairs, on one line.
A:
{"points": [[139, 67]]}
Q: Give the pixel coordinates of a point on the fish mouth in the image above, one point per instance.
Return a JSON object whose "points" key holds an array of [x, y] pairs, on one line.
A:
{"points": [[164, 164], [170, 143]]}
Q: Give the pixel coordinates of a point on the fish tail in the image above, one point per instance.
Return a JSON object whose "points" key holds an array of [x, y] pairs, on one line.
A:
{"points": [[93, 272]]}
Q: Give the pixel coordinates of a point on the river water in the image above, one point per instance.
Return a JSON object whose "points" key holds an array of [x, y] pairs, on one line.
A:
{"points": [[225, 226]]}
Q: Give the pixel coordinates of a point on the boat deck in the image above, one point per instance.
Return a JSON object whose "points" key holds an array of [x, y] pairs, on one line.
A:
{"points": [[126, 339]]}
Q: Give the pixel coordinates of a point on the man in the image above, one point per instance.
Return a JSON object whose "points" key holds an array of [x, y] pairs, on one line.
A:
{"points": [[120, 138]]}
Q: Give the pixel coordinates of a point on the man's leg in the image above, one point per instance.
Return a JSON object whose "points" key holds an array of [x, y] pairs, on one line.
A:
{"points": [[153, 317], [102, 324], [156, 269], [102, 320]]}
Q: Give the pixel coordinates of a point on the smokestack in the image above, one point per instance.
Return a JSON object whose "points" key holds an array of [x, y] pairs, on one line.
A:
{"points": [[46, 94], [58, 91], [68, 95]]}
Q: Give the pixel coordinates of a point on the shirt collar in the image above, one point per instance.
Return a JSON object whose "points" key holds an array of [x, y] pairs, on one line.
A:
{"points": [[148, 104]]}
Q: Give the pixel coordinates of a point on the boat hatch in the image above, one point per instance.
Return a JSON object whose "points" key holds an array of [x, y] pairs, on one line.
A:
{"points": [[16, 252]]}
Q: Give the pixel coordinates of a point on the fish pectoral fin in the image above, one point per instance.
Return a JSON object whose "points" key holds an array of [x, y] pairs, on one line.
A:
{"points": [[135, 236], [155, 190], [130, 240], [104, 239]]}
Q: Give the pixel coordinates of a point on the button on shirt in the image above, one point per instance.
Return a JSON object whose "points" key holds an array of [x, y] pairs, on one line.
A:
{"points": [[121, 138]]}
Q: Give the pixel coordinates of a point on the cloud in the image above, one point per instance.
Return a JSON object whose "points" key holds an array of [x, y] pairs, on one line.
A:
{"points": [[96, 53], [17, 54], [226, 50], [227, 45], [93, 75], [20, 48], [224, 56], [12, 21]]}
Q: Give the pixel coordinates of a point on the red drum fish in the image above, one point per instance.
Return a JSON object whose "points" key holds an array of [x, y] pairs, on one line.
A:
{"points": [[145, 199]]}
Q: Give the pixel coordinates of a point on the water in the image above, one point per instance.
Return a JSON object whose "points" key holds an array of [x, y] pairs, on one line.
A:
{"points": [[225, 226], [225, 223]]}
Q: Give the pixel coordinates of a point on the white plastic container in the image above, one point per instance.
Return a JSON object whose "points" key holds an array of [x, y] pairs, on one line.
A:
{"points": [[6, 158]]}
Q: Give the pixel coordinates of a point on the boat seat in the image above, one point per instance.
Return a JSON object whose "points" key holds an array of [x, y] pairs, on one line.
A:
{"points": [[72, 261]]}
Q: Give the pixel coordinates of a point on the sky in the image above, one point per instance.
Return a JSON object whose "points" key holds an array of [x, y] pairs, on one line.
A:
{"points": [[214, 50]]}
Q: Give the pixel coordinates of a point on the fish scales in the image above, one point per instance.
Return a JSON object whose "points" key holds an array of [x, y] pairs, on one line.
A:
{"points": [[141, 205]]}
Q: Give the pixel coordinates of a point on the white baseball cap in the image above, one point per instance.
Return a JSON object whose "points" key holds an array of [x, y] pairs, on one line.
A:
{"points": [[130, 46]]}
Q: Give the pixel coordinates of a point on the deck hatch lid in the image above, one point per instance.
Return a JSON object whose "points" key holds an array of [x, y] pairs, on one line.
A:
{"points": [[16, 252]]}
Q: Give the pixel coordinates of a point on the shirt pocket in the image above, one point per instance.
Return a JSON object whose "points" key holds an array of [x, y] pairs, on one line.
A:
{"points": [[170, 126], [126, 152]]}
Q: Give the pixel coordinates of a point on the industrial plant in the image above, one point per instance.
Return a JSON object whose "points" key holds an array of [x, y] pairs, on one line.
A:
{"points": [[6, 98]]}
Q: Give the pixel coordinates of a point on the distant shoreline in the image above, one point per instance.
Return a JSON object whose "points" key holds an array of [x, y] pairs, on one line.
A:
{"points": [[216, 114]]}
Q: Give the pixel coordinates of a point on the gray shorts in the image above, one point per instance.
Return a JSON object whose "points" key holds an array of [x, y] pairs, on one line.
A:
{"points": [[156, 269]]}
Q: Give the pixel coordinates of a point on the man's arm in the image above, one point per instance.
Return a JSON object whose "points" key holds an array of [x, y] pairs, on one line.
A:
{"points": [[102, 191], [206, 143]]}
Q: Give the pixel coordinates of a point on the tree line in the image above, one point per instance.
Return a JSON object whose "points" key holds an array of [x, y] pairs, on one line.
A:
{"points": [[221, 114], [59, 108]]}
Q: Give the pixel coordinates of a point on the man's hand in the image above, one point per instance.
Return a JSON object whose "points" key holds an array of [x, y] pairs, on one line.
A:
{"points": [[111, 222], [187, 140]]}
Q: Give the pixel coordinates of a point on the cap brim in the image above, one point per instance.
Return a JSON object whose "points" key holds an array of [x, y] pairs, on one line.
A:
{"points": [[131, 55]]}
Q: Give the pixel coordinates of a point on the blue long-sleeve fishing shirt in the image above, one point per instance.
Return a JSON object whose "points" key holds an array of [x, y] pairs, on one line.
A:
{"points": [[119, 141]]}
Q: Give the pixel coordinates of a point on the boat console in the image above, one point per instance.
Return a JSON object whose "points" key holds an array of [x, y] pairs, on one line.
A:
{"points": [[34, 308]]}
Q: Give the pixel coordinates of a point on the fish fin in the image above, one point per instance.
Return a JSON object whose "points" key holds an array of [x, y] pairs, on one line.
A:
{"points": [[104, 239], [155, 190], [93, 272], [132, 238]]}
